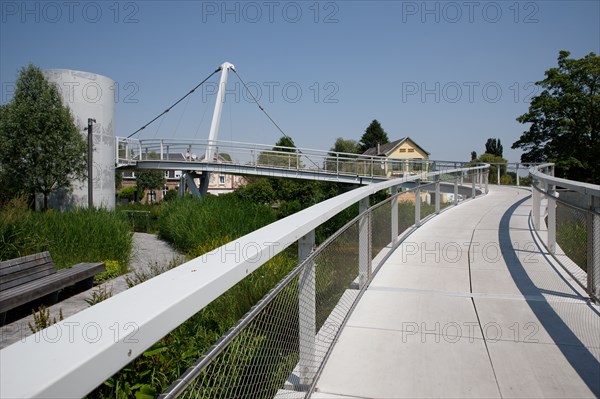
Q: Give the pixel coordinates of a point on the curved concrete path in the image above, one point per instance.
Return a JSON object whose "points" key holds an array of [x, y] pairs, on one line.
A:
{"points": [[147, 250], [469, 306]]}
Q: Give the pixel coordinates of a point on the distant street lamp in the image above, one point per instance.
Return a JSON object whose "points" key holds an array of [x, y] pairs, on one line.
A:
{"points": [[90, 131]]}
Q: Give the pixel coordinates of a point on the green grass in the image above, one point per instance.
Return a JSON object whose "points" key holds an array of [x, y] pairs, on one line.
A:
{"points": [[572, 238], [189, 221], [142, 218], [81, 235]]}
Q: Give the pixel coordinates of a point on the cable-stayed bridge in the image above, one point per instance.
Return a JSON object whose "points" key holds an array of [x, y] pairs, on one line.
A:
{"points": [[492, 294]]}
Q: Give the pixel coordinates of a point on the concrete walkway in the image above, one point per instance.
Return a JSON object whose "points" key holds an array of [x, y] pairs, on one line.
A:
{"points": [[148, 251], [469, 306]]}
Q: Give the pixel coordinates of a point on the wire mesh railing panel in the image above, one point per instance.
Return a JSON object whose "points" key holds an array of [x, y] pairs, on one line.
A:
{"points": [[337, 274], [258, 360], [277, 348], [381, 227], [572, 232], [426, 208], [406, 211]]}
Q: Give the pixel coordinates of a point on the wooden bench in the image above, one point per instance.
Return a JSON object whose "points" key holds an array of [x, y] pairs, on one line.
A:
{"points": [[29, 278]]}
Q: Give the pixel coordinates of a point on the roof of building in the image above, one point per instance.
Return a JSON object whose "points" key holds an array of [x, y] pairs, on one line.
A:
{"points": [[386, 149]]}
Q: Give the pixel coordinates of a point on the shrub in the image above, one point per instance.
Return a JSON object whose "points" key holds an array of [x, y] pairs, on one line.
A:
{"points": [[506, 180], [170, 195], [129, 194], [112, 269]]}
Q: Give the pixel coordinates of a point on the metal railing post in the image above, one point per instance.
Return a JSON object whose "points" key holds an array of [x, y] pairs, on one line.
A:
{"points": [[473, 179], [437, 194], [498, 183], [418, 205], [456, 190], [307, 311], [486, 178], [364, 243], [593, 247], [518, 182], [535, 204], [394, 215], [161, 149], [551, 198]]}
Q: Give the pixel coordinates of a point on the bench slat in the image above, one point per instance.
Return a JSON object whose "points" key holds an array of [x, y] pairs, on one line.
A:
{"points": [[22, 270], [24, 293], [6, 266]]}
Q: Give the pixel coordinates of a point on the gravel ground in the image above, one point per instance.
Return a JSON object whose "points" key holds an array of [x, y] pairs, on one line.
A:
{"points": [[147, 250]]}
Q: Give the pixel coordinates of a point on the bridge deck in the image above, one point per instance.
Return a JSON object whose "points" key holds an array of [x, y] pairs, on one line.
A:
{"points": [[469, 306]]}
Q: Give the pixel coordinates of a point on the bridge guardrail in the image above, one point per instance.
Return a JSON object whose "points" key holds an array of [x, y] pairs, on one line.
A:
{"points": [[132, 151], [293, 328], [75, 355], [566, 216]]}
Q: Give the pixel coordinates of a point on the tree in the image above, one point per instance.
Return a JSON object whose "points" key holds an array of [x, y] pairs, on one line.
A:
{"points": [[565, 119], [341, 163], [347, 146], [41, 148], [473, 155], [259, 191], [275, 158], [374, 134], [150, 180], [494, 160], [494, 147], [285, 141]]}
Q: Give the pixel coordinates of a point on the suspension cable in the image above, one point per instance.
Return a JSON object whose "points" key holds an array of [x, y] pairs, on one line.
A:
{"points": [[258, 104], [268, 116], [177, 102]]}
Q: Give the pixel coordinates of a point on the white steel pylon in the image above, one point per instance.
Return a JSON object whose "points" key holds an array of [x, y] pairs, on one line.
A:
{"points": [[216, 120]]}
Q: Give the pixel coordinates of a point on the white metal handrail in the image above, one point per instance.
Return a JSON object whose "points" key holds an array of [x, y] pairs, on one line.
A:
{"points": [[72, 357], [545, 198]]}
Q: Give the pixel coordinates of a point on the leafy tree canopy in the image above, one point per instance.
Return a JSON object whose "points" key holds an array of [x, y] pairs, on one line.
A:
{"points": [[348, 146], [285, 141], [494, 147], [41, 148], [565, 119], [374, 134], [278, 159], [494, 159], [150, 179]]}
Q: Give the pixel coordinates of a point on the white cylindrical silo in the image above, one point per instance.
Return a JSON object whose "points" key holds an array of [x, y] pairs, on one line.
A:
{"points": [[89, 95]]}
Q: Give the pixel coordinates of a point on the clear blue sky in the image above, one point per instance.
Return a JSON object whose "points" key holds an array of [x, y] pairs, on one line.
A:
{"points": [[448, 74]]}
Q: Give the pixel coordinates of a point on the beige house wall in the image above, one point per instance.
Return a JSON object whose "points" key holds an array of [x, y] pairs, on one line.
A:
{"points": [[219, 183]]}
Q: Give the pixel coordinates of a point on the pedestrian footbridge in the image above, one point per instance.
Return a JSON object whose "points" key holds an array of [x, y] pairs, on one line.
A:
{"points": [[470, 305], [489, 293]]}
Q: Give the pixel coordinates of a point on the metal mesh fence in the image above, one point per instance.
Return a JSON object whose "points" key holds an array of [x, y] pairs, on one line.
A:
{"points": [[277, 348], [572, 232], [427, 202], [406, 212], [381, 227]]}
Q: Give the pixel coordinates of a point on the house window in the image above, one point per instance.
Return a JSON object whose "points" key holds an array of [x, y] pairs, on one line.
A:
{"points": [[164, 191], [411, 150], [402, 149], [221, 179], [417, 165]]}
